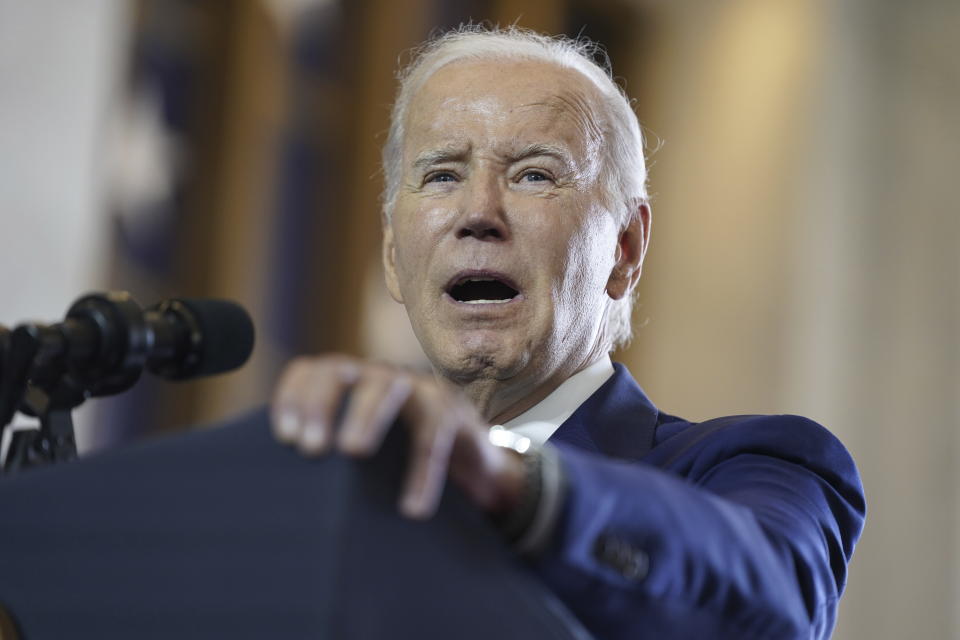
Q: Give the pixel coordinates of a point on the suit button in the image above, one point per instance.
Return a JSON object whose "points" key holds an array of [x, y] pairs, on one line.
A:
{"points": [[630, 562]]}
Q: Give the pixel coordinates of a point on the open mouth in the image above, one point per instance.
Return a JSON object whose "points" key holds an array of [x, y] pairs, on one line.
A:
{"points": [[482, 290]]}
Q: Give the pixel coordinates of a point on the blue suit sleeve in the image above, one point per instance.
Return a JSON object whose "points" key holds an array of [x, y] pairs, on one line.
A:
{"points": [[740, 529]]}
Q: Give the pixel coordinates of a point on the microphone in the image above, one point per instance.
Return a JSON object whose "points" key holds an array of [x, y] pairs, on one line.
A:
{"points": [[101, 348], [106, 340], [206, 337]]}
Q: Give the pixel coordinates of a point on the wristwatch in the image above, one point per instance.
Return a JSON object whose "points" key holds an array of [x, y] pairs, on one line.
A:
{"points": [[516, 522]]}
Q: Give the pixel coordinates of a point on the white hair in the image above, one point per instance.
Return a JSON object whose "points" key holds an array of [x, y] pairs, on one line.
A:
{"points": [[624, 171]]}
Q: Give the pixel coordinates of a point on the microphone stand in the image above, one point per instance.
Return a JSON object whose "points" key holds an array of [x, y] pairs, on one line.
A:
{"points": [[39, 387]]}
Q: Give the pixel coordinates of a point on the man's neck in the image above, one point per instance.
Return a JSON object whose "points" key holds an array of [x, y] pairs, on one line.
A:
{"points": [[499, 401]]}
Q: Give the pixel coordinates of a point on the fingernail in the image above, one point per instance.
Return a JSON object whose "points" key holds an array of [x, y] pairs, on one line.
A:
{"points": [[288, 425], [350, 439], [314, 436], [413, 506]]}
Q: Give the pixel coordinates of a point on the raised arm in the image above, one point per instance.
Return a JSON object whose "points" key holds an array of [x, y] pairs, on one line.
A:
{"points": [[736, 528]]}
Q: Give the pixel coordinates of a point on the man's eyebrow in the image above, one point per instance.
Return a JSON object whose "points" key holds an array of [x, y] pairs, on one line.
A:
{"points": [[431, 157], [541, 149]]}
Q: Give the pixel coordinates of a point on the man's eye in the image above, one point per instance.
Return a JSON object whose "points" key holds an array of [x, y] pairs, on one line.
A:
{"points": [[534, 176], [441, 176]]}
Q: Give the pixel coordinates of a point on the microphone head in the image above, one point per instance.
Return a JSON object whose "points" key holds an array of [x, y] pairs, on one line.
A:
{"points": [[221, 337]]}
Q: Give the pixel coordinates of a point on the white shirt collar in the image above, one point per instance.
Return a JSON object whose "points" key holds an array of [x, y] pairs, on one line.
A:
{"points": [[540, 421]]}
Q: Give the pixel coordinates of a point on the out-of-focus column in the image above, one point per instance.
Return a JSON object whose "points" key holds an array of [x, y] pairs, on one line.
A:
{"points": [[875, 349]]}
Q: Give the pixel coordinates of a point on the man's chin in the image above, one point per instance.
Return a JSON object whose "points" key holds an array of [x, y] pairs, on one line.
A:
{"points": [[479, 355]]}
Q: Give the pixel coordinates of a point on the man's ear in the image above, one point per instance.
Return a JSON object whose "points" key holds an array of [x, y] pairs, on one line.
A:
{"points": [[631, 249], [390, 261]]}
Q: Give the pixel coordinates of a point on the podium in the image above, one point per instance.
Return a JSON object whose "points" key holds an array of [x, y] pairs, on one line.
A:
{"points": [[224, 533]]}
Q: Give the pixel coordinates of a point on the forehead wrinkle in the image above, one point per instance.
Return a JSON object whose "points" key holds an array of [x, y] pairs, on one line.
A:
{"points": [[574, 104]]}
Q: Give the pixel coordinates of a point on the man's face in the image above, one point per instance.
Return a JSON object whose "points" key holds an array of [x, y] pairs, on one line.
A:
{"points": [[501, 245]]}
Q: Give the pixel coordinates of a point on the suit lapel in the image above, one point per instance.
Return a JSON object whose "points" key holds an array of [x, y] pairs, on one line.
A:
{"points": [[618, 420]]}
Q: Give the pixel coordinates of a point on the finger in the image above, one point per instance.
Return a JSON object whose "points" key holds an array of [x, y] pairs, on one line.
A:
{"points": [[321, 401], [431, 443], [375, 401], [285, 418], [314, 398]]}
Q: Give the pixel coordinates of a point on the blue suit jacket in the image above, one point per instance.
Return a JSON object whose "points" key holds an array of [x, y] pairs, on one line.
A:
{"points": [[739, 527]]}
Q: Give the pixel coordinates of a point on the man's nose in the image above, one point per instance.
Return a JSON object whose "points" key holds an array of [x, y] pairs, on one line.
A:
{"points": [[482, 212]]}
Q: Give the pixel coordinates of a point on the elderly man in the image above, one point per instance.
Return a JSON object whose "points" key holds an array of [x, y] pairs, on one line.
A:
{"points": [[515, 224]]}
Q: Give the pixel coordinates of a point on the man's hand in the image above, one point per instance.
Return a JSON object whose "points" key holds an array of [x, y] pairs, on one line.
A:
{"points": [[446, 433]]}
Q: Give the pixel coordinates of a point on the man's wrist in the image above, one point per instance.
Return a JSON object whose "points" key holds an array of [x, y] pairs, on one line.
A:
{"points": [[519, 512], [512, 485], [529, 513]]}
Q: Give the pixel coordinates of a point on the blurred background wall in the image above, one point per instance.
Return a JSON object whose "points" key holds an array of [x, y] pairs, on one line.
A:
{"points": [[804, 259]]}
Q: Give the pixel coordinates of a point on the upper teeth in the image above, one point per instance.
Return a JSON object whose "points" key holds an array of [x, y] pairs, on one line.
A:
{"points": [[486, 301]]}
